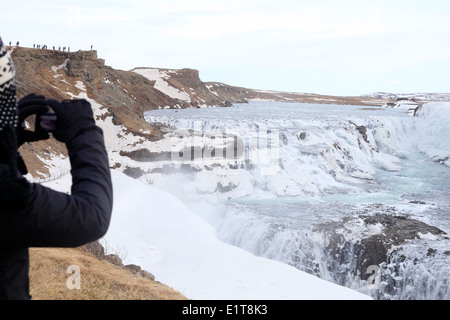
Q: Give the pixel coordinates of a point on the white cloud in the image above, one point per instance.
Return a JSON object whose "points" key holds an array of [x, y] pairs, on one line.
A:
{"points": [[328, 36], [308, 23]]}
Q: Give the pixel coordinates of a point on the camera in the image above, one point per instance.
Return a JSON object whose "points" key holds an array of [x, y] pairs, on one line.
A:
{"points": [[46, 122]]}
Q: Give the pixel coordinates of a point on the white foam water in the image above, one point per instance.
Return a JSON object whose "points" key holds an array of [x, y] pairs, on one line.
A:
{"points": [[328, 163]]}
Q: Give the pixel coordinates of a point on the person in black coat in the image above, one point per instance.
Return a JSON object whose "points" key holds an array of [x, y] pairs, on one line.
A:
{"points": [[32, 215]]}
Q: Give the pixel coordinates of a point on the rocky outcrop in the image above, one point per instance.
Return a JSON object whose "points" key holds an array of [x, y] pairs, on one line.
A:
{"points": [[417, 110], [33, 65], [130, 87], [57, 74], [216, 94], [137, 270], [133, 172], [86, 65], [187, 90], [98, 251], [34, 72], [114, 259], [375, 249], [94, 248], [362, 131], [65, 75], [379, 236], [145, 155]]}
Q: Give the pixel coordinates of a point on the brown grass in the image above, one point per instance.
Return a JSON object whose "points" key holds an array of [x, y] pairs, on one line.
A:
{"points": [[100, 280]]}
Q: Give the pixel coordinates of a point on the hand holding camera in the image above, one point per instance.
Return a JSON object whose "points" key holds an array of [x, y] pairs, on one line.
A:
{"points": [[73, 118], [68, 119], [27, 106], [46, 122]]}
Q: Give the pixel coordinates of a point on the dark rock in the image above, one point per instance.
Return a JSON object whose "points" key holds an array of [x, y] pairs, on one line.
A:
{"points": [[147, 275], [417, 202], [397, 229], [134, 173], [374, 249], [94, 248], [86, 65], [302, 136], [363, 131], [134, 269], [114, 259], [137, 270], [416, 111], [116, 165], [371, 251], [223, 189], [145, 155]]}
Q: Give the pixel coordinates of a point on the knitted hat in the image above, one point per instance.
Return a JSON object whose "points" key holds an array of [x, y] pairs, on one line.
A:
{"points": [[8, 108], [14, 190]]}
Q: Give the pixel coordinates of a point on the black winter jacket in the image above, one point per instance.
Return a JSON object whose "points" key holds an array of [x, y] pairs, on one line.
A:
{"points": [[55, 219]]}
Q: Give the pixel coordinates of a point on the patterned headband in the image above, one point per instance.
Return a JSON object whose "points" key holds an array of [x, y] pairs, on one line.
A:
{"points": [[8, 108]]}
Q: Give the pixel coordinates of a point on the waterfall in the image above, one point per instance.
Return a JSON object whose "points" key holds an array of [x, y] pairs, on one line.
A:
{"points": [[323, 187]]}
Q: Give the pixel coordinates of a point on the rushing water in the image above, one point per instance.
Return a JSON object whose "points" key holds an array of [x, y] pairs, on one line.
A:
{"points": [[307, 178]]}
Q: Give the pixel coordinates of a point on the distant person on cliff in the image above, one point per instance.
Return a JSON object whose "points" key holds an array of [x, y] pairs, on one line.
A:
{"points": [[32, 215]]}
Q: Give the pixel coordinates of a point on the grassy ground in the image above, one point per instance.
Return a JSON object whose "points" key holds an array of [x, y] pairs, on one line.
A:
{"points": [[98, 279]]}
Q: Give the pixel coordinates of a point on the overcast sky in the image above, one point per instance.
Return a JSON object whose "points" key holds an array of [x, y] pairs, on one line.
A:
{"points": [[340, 47]]}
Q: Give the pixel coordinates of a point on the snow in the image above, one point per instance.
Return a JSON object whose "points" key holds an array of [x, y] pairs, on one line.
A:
{"points": [[358, 229], [210, 88], [433, 131], [160, 76], [57, 167], [412, 96], [80, 85], [428, 236], [62, 66], [159, 233]]}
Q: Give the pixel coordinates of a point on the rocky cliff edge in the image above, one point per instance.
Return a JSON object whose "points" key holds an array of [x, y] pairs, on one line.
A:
{"points": [[124, 96]]}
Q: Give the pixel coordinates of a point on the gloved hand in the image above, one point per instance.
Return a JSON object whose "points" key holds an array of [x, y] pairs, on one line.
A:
{"points": [[74, 117], [27, 106]]}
